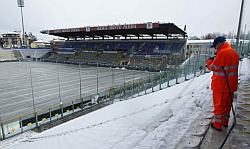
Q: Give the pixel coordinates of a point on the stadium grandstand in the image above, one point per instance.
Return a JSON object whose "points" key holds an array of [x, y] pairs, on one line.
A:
{"points": [[146, 46]]}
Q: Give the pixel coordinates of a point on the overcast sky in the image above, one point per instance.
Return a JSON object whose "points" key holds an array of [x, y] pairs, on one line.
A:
{"points": [[200, 16]]}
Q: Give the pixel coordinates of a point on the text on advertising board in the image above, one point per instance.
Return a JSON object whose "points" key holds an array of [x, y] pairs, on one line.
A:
{"points": [[117, 27]]}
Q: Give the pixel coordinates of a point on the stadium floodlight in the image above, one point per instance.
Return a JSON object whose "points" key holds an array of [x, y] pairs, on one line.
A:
{"points": [[20, 3]]}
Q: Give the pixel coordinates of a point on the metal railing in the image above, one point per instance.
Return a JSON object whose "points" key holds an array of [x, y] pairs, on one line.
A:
{"points": [[116, 86]]}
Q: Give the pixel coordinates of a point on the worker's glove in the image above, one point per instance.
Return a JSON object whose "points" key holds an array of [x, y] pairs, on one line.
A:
{"points": [[209, 62]]}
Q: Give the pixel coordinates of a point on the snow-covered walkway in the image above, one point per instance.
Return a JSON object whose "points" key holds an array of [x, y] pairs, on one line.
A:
{"points": [[157, 120]]}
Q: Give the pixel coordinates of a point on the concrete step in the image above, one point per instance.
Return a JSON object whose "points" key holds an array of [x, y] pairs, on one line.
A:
{"points": [[243, 122], [242, 117], [243, 101], [240, 141], [245, 113], [243, 107], [242, 128]]}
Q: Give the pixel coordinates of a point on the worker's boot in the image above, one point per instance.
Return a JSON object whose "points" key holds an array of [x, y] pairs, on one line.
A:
{"points": [[216, 125], [225, 120]]}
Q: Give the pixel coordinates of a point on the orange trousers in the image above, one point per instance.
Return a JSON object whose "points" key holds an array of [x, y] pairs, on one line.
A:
{"points": [[222, 105]]}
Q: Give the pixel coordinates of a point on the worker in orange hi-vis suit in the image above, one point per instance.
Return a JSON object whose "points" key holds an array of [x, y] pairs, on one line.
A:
{"points": [[224, 80]]}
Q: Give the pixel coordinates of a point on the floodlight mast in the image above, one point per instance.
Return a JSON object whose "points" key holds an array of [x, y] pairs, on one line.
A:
{"points": [[20, 3]]}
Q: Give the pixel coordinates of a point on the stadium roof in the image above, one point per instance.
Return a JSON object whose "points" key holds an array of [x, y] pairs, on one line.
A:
{"points": [[167, 30]]}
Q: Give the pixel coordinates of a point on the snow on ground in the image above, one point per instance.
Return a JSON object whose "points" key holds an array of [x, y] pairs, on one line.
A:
{"points": [[157, 120], [244, 69], [15, 140]]}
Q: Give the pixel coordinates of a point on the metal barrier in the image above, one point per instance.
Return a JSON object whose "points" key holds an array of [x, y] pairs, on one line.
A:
{"points": [[121, 89]]}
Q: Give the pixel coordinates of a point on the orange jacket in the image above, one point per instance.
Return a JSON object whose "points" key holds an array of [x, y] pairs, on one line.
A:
{"points": [[227, 58]]}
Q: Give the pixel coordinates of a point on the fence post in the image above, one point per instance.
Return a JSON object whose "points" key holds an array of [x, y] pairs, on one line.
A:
{"points": [[113, 77], [185, 72], [198, 59], [61, 107], [198, 62], [248, 47], [240, 48], [139, 87], [33, 98], [195, 65], [3, 135], [152, 82], [168, 79], [73, 106], [176, 75], [97, 78], [112, 89], [81, 103], [189, 59], [133, 86], [160, 80], [21, 124], [207, 52], [36, 119], [2, 129], [106, 95], [124, 86], [59, 89], [50, 115], [80, 78]]}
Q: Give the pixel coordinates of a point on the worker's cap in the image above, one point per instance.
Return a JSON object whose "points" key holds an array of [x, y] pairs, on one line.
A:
{"points": [[219, 39]]}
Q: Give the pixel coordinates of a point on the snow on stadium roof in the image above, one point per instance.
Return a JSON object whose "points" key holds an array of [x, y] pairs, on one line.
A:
{"points": [[124, 30]]}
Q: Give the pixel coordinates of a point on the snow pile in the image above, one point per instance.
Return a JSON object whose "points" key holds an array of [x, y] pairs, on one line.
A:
{"points": [[157, 120]]}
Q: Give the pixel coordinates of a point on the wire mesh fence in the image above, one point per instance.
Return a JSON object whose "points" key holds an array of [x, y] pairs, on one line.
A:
{"points": [[40, 96]]}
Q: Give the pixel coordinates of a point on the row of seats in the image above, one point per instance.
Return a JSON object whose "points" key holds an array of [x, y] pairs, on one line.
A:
{"points": [[119, 59], [139, 46], [163, 54]]}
